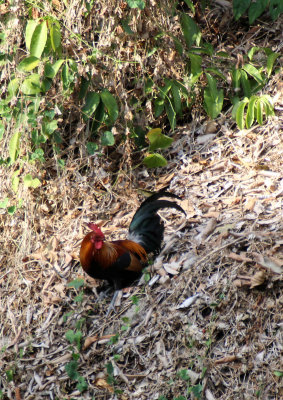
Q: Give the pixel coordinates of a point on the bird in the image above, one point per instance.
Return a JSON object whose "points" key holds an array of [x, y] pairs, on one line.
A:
{"points": [[121, 262]]}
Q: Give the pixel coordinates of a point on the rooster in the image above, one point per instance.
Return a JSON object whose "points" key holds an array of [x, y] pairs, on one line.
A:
{"points": [[121, 262]]}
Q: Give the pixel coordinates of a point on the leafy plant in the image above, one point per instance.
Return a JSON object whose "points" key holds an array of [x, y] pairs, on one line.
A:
{"points": [[157, 140], [256, 8]]}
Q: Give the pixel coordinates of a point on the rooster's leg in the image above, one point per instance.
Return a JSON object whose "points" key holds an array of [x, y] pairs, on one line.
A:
{"points": [[112, 304]]}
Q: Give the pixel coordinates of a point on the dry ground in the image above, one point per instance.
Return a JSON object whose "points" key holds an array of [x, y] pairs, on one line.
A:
{"points": [[226, 256]]}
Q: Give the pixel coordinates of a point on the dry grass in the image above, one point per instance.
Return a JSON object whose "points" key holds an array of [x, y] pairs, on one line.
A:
{"points": [[230, 338]]}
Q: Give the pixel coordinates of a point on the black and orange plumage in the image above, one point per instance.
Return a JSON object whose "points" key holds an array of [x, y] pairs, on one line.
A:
{"points": [[121, 262]]}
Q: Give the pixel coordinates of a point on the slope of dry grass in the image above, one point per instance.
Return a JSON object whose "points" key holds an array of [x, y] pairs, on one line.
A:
{"points": [[226, 256]]}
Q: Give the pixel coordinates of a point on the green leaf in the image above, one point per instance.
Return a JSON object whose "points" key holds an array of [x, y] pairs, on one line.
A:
{"points": [[82, 384], [70, 336], [251, 111], [31, 25], [77, 283], [240, 109], [14, 146], [136, 4], [11, 210], [155, 160], [269, 108], [252, 51], [30, 182], [240, 7], [50, 70], [196, 70], [38, 40], [216, 72], [91, 148], [213, 98], [28, 64], [91, 103], [49, 127], [2, 130], [251, 70], [55, 36], [110, 104], [98, 117], [256, 9], [190, 30], [245, 84], [170, 114], [31, 85], [158, 106], [107, 138], [71, 369], [126, 27], [13, 87], [176, 98], [259, 113], [158, 140], [275, 8], [236, 79], [15, 180], [278, 373], [270, 62], [4, 203], [190, 5]]}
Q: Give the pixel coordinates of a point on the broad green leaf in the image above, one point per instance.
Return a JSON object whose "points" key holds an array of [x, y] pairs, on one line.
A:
{"points": [[30, 182], [256, 9], [38, 40], [196, 69], [14, 146], [190, 5], [165, 89], [178, 45], [236, 79], [65, 76], [240, 7], [31, 85], [110, 104], [91, 148], [246, 84], [126, 27], [251, 111], [259, 113], [31, 25], [77, 283], [2, 130], [98, 117], [269, 108], [50, 70], [136, 4], [4, 203], [91, 103], [252, 51], [11, 210], [55, 36], [190, 30], [251, 70], [15, 180], [49, 127], [270, 62], [240, 113], [13, 87], [107, 138], [275, 8], [217, 72], [170, 114], [158, 140], [154, 161], [158, 106], [176, 98], [213, 98], [28, 64]]}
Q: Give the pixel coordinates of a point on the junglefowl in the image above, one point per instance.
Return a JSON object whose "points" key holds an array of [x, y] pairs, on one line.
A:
{"points": [[121, 262]]}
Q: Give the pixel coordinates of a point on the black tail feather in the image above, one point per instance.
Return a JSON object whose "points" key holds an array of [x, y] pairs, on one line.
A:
{"points": [[147, 227]]}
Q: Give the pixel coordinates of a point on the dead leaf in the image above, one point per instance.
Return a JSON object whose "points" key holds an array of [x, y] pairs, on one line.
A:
{"points": [[258, 279], [268, 263]]}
